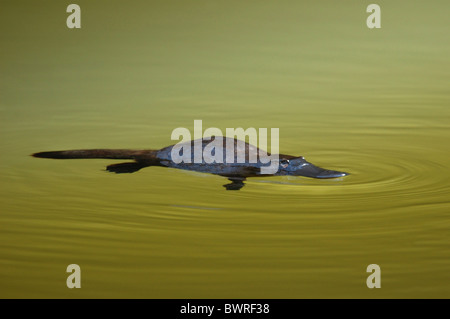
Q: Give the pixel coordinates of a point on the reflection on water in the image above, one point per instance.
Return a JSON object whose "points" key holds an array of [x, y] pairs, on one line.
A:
{"points": [[374, 104]]}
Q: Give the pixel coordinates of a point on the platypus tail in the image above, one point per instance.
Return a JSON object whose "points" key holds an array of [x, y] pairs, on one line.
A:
{"points": [[96, 153]]}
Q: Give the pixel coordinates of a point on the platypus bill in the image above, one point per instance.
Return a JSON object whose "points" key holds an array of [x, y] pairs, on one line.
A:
{"points": [[235, 172]]}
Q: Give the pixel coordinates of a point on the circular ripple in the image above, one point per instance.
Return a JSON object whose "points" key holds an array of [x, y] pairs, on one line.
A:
{"points": [[375, 173]]}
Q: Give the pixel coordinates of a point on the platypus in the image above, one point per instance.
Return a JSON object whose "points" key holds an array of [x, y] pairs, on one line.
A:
{"points": [[236, 171]]}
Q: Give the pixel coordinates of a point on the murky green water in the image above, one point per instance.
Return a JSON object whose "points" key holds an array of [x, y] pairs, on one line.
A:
{"points": [[374, 103]]}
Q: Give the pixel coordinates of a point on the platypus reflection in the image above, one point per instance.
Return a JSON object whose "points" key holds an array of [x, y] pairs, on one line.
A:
{"points": [[235, 172]]}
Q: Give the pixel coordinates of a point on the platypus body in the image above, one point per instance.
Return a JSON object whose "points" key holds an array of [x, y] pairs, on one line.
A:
{"points": [[236, 171]]}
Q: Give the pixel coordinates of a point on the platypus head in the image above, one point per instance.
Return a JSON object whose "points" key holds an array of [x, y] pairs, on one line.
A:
{"points": [[298, 166]]}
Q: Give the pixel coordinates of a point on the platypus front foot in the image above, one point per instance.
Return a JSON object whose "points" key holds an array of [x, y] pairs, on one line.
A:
{"points": [[236, 183]]}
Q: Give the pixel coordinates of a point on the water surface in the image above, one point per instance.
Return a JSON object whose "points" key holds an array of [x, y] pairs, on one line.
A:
{"points": [[374, 103]]}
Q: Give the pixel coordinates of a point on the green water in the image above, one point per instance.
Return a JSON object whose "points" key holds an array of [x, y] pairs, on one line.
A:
{"points": [[374, 103]]}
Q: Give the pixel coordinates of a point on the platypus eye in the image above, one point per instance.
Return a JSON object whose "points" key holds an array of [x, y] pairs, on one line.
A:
{"points": [[284, 163]]}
